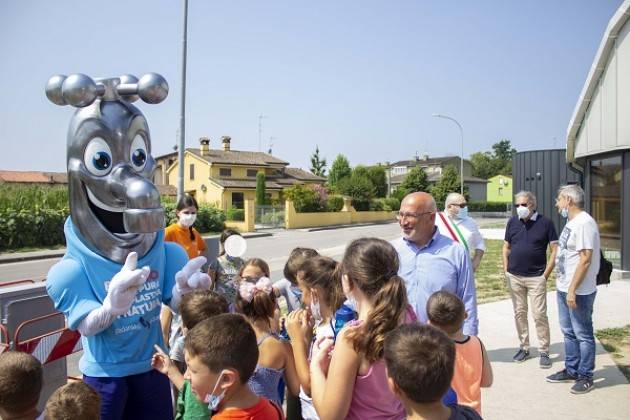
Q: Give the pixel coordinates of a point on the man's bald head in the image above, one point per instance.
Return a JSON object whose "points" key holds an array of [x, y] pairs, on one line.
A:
{"points": [[417, 217], [420, 200]]}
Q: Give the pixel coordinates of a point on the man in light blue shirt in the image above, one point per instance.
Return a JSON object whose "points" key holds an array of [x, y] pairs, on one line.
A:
{"points": [[430, 262]]}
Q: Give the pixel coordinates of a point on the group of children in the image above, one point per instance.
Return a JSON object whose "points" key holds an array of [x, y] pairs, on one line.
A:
{"points": [[233, 354], [21, 381]]}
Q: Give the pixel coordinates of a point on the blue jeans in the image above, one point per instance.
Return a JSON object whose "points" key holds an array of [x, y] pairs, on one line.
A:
{"points": [[577, 327]]}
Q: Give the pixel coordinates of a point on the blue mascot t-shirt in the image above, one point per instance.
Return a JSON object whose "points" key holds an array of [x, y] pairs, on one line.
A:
{"points": [[78, 284]]}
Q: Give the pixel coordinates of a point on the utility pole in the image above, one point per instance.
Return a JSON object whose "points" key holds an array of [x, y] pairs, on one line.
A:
{"points": [[182, 112]]}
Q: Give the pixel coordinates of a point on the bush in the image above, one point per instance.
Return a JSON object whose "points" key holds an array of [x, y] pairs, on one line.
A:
{"points": [[391, 204], [18, 197], [334, 203], [361, 204], [377, 205], [39, 227], [488, 206], [236, 215], [305, 199]]}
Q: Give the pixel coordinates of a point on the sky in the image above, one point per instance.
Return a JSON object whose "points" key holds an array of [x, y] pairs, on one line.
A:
{"points": [[356, 77]]}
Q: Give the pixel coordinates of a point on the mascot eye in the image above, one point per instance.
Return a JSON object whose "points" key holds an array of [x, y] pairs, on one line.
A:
{"points": [[138, 156], [98, 157]]}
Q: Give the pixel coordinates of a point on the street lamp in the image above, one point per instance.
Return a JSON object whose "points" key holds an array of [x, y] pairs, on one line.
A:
{"points": [[182, 106], [461, 160]]}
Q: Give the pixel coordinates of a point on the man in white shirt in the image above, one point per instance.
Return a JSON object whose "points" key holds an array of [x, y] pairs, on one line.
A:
{"points": [[454, 223], [577, 265]]}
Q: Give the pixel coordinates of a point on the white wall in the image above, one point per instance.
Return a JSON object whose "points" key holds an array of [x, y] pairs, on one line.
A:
{"points": [[606, 125]]}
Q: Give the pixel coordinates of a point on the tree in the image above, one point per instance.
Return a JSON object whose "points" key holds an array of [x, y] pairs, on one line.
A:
{"points": [[416, 180], [377, 175], [448, 183], [318, 165], [499, 161], [359, 188], [340, 169], [484, 165], [260, 188]]}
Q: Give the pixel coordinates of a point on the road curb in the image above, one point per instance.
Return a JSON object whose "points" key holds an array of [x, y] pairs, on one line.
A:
{"points": [[49, 254], [333, 227]]}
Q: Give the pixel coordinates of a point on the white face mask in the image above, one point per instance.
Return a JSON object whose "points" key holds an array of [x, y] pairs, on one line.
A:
{"points": [[214, 400], [522, 212], [463, 213], [187, 219], [316, 311]]}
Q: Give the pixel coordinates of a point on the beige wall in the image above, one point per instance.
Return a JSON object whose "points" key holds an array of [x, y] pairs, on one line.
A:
{"points": [[294, 220]]}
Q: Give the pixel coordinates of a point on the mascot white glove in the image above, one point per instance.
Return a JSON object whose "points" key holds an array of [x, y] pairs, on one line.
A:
{"points": [[124, 286], [121, 293], [188, 279]]}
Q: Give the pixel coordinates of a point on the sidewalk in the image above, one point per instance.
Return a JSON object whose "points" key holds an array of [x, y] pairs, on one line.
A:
{"points": [[520, 390]]}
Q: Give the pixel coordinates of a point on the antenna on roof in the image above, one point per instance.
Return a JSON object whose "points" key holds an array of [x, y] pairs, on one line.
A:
{"points": [[271, 139]]}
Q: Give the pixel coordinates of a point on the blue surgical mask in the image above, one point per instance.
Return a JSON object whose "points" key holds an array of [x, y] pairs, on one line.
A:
{"points": [[564, 213], [463, 213], [214, 400]]}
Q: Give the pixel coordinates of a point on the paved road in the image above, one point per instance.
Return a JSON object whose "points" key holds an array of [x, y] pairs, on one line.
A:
{"points": [[273, 249]]}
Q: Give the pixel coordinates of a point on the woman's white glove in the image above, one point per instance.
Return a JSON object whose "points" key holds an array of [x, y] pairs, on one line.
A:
{"points": [[124, 286], [188, 279]]}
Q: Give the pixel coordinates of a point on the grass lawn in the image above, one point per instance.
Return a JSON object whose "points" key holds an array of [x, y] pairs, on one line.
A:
{"points": [[617, 342], [489, 276]]}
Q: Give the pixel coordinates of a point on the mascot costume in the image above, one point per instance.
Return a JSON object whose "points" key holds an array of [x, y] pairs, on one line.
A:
{"points": [[117, 270]]}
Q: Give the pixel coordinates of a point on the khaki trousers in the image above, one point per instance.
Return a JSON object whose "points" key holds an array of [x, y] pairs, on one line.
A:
{"points": [[536, 288]]}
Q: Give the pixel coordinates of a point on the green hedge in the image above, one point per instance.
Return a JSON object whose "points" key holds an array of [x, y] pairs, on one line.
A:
{"points": [[334, 203], [32, 228], [487, 206], [385, 204], [236, 215]]}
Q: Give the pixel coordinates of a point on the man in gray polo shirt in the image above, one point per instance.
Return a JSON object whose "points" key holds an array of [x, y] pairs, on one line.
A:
{"points": [[527, 236]]}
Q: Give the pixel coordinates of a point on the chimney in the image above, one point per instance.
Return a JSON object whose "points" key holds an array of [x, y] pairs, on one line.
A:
{"points": [[204, 147], [225, 140]]}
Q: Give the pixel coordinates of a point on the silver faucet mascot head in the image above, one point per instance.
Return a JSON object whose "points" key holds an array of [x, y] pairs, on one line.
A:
{"points": [[113, 202]]}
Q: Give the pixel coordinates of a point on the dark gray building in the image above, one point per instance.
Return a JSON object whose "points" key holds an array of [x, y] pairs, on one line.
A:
{"points": [[542, 172]]}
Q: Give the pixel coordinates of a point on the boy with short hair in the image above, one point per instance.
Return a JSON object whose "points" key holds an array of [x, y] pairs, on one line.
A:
{"points": [[221, 354], [195, 307], [288, 286], [73, 401], [473, 370], [420, 361], [21, 378]]}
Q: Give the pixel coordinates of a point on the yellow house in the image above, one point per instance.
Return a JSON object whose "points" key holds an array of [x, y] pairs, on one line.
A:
{"points": [[225, 177]]}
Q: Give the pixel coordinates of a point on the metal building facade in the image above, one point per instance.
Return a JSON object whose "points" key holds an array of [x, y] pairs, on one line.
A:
{"points": [[542, 172]]}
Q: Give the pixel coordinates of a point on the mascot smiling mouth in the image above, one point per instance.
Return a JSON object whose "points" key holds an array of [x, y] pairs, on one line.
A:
{"points": [[111, 218], [113, 203]]}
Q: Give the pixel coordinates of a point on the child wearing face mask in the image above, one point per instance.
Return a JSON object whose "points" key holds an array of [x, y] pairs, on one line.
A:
{"points": [[322, 295], [257, 302], [190, 239], [221, 355], [351, 381]]}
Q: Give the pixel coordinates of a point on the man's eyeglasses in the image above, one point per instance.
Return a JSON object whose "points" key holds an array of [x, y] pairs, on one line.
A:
{"points": [[461, 206], [401, 215], [521, 205]]}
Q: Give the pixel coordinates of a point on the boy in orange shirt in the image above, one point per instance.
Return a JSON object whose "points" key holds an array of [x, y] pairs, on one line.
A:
{"points": [[472, 366], [221, 354]]}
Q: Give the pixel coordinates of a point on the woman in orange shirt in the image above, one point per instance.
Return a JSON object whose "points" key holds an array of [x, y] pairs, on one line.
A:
{"points": [[189, 238]]}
